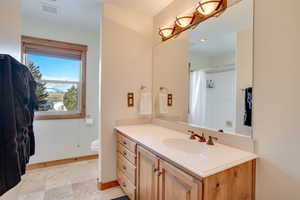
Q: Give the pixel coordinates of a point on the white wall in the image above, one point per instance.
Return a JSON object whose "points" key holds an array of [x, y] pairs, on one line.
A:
{"points": [[220, 101], [59, 139], [10, 23], [199, 61], [244, 76], [170, 70], [170, 62], [276, 98], [224, 59], [126, 65]]}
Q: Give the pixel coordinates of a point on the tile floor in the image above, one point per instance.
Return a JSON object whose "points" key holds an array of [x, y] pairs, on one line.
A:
{"points": [[75, 181]]}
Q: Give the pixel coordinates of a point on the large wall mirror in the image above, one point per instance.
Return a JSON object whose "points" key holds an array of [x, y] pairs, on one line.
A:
{"points": [[210, 72]]}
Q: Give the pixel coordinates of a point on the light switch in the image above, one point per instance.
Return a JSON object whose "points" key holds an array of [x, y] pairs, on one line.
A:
{"points": [[170, 100], [130, 99]]}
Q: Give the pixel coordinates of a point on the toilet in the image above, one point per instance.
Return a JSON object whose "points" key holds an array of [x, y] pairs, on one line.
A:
{"points": [[95, 145]]}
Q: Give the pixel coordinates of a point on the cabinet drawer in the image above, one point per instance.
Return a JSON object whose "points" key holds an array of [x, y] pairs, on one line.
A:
{"points": [[127, 168], [127, 154], [127, 143], [126, 185]]}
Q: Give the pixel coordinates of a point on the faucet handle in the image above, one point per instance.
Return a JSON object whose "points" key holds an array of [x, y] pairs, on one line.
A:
{"points": [[202, 138], [192, 133], [211, 140]]}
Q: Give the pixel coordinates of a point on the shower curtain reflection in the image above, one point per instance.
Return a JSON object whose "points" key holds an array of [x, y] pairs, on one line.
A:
{"points": [[197, 98]]}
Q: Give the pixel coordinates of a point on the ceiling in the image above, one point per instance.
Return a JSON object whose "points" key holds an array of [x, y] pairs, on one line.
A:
{"points": [[85, 14], [148, 7], [221, 32], [82, 14]]}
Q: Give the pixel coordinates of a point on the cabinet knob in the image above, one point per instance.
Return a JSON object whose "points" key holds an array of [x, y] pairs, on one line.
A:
{"points": [[155, 170], [124, 167], [124, 153], [159, 173], [124, 185], [124, 142]]}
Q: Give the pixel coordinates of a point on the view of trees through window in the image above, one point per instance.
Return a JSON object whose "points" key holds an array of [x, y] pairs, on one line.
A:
{"points": [[58, 82]]}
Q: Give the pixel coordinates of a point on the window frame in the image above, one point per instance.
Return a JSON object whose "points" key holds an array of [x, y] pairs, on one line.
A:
{"points": [[62, 50]]}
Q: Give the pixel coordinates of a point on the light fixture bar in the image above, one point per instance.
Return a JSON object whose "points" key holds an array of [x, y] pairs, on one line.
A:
{"points": [[166, 32], [208, 7], [205, 10], [184, 21]]}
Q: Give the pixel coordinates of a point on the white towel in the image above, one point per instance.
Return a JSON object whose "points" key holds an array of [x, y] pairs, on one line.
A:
{"points": [[146, 103], [163, 103]]}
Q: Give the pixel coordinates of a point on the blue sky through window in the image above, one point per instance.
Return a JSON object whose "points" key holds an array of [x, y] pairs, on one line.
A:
{"points": [[53, 68]]}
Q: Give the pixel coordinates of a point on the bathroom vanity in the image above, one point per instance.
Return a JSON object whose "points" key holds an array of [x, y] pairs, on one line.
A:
{"points": [[156, 163], [208, 73]]}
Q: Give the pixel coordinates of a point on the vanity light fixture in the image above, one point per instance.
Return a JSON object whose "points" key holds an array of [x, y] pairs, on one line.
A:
{"points": [[184, 21], [205, 10], [207, 7], [166, 32], [203, 40]]}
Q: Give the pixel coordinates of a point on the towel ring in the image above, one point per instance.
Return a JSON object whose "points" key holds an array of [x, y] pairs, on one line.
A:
{"points": [[163, 89], [143, 87]]}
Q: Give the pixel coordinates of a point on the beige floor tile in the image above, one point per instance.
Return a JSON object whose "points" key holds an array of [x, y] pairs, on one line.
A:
{"points": [[57, 177], [32, 196], [60, 193], [75, 181], [86, 190], [33, 182], [83, 172]]}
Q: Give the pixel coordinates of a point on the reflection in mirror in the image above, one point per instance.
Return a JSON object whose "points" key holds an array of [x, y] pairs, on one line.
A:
{"points": [[220, 71]]}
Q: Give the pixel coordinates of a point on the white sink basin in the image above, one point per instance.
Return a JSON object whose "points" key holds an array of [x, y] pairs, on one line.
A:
{"points": [[186, 145]]}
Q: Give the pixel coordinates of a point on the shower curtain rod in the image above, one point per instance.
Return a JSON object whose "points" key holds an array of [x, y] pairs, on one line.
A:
{"points": [[217, 68]]}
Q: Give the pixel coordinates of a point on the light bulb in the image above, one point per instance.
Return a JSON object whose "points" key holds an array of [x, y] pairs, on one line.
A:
{"points": [[184, 21], [207, 7], [166, 31]]}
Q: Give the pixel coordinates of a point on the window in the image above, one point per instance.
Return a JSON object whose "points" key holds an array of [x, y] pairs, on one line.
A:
{"points": [[59, 69]]}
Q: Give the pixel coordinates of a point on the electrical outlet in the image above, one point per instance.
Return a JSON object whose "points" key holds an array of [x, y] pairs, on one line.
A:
{"points": [[130, 99]]}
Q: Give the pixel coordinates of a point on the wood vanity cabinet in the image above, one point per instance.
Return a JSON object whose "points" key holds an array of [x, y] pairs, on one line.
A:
{"points": [[177, 185], [145, 176], [126, 165], [147, 179], [157, 179]]}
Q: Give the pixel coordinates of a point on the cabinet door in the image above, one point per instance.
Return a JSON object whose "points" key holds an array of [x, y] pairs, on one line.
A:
{"points": [[147, 168], [174, 184], [237, 183]]}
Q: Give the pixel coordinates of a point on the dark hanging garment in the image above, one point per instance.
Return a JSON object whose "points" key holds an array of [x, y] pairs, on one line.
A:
{"points": [[17, 105], [248, 107]]}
